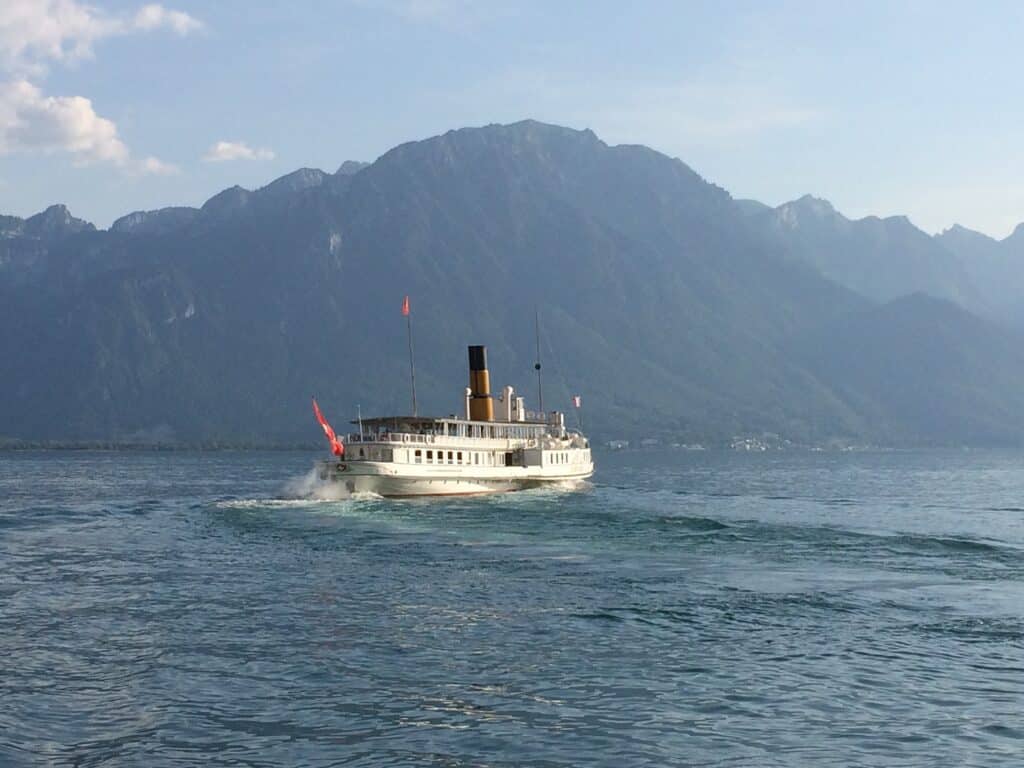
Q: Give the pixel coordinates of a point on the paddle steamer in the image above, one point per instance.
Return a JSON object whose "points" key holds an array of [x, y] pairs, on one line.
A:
{"points": [[495, 446]]}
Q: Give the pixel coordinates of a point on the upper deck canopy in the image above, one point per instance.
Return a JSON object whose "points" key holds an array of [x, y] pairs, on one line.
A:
{"points": [[430, 422], [407, 422]]}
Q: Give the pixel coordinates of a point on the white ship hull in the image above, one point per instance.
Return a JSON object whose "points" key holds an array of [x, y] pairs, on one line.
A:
{"points": [[383, 480]]}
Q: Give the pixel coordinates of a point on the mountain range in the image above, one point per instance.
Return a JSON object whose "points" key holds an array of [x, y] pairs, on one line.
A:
{"points": [[676, 311]]}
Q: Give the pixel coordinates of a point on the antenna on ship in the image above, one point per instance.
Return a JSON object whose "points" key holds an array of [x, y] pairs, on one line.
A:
{"points": [[536, 366], [412, 364]]}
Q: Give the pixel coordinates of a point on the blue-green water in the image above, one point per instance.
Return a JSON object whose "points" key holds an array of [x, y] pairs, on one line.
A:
{"points": [[686, 609]]}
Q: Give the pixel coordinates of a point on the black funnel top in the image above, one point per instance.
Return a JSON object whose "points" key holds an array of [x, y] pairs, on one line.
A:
{"points": [[478, 358]]}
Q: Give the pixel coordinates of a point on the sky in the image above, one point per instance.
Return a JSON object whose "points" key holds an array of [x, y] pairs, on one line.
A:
{"points": [[889, 108]]}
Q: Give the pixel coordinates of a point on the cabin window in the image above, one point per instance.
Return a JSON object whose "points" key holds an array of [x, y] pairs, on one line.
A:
{"points": [[476, 458], [362, 453], [419, 456], [450, 459], [430, 457], [458, 457]]}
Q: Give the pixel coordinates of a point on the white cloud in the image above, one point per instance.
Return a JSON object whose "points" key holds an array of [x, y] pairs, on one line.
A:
{"points": [[35, 32], [31, 121], [153, 166], [155, 16], [236, 150]]}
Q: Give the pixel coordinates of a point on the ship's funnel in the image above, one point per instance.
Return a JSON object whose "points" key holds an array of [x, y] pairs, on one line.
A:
{"points": [[481, 407]]}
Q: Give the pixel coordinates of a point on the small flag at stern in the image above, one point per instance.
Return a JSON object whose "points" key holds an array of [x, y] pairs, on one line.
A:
{"points": [[577, 401], [405, 307]]}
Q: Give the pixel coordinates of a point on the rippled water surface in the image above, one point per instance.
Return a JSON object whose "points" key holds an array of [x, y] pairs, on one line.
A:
{"points": [[685, 609]]}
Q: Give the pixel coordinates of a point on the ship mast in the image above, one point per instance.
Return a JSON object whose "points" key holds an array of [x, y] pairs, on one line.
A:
{"points": [[412, 364], [536, 366]]}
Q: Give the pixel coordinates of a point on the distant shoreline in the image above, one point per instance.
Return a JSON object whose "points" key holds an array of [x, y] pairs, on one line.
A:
{"points": [[213, 447], [153, 448]]}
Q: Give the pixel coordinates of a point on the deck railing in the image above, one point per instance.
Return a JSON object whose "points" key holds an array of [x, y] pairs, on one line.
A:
{"points": [[409, 438], [391, 437]]}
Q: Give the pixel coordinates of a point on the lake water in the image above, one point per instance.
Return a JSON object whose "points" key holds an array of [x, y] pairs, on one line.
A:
{"points": [[685, 609]]}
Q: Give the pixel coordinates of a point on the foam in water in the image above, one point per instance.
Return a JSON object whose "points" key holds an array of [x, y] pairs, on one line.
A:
{"points": [[558, 487], [302, 491], [310, 487]]}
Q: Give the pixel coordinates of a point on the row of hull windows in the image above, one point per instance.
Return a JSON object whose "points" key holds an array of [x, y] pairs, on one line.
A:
{"points": [[476, 458], [432, 457], [455, 457]]}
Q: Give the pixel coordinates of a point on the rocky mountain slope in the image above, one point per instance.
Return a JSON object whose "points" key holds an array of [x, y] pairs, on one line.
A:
{"points": [[676, 311]]}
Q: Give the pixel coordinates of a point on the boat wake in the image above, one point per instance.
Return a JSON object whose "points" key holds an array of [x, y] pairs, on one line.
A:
{"points": [[560, 486], [301, 491], [309, 487]]}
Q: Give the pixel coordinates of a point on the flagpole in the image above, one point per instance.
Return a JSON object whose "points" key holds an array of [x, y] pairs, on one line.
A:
{"points": [[540, 392], [412, 364]]}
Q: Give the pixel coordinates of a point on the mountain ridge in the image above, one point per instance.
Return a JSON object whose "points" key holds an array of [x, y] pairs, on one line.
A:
{"points": [[663, 301]]}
